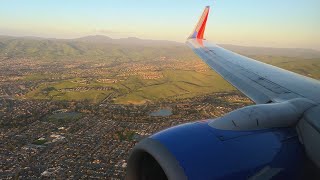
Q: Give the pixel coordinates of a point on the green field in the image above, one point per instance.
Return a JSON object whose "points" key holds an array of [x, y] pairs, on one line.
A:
{"points": [[174, 85], [50, 91], [63, 117]]}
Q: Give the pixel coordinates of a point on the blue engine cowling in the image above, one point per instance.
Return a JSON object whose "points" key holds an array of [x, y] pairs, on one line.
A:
{"points": [[199, 151]]}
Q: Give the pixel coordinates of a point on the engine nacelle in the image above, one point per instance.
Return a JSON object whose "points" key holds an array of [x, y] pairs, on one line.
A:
{"points": [[309, 133], [200, 150]]}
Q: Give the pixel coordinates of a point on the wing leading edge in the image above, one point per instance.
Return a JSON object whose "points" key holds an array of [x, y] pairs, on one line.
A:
{"points": [[263, 83]]}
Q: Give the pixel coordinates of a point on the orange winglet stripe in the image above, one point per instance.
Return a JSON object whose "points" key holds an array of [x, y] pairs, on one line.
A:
{"points": [[199, 30], [203, 27]]}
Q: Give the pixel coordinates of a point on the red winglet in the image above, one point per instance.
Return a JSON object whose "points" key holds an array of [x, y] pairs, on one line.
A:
{"points": [[199, 30]]}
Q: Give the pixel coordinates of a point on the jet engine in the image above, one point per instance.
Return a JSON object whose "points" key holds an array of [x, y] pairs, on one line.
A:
{"points": [[255, 142]]}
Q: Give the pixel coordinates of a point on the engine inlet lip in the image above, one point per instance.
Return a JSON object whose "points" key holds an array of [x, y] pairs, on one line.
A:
{"points": [[160, 153]]}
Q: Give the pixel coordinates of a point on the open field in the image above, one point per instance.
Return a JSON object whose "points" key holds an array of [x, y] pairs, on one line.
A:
{"points": [[175, 85], [70, 90]]}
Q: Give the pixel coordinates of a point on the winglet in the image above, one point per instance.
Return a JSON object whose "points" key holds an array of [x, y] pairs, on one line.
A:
{"points": [[201, 26]]}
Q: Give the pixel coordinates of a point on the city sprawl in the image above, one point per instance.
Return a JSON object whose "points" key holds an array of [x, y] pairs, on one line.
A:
{"points": [[73, 109]]}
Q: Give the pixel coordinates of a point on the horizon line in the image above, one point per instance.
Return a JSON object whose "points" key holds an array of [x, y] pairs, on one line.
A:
{"points": [[128, 37]]}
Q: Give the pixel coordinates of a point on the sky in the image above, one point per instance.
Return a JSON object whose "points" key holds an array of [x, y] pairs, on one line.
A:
{"points": [[272, 23]]}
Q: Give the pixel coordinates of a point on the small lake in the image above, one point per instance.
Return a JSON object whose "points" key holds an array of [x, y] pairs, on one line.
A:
{"points": [[162, 112]]}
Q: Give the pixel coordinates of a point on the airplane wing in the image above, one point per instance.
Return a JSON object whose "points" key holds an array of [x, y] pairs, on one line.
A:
{"points": [[264, 141], [263, 83]]}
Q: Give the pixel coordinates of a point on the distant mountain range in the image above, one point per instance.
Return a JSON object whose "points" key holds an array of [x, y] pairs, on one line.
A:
{"points": [[98, 39], [99, 45], [88, 48], [129, 40]]}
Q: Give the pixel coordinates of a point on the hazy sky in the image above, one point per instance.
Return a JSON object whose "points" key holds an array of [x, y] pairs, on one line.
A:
{"points": [[275, 23]]}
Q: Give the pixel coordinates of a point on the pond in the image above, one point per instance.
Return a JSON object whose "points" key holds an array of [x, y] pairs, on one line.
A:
{"points": [[162, 112]]}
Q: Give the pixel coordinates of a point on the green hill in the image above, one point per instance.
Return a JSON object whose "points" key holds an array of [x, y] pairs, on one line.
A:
{"points": [[93, 48]]}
